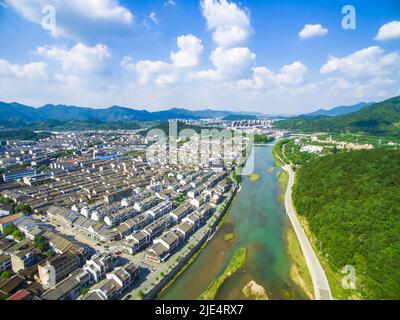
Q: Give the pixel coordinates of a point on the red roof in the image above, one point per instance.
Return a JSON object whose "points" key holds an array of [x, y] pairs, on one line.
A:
{"points": [[20, 295], [11, 218]]}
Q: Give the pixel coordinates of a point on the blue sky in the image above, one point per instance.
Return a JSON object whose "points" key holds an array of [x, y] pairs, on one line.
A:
{"points": [[275, 57]]}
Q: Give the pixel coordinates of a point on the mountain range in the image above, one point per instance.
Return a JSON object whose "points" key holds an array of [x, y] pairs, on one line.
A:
{"points": [[339, 111], [382, 118], [19, 113]]}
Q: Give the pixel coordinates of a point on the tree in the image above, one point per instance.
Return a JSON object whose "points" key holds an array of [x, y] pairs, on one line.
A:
{"points": [[140, 294], [8, 230], [25, 209], [18, 235], [83, 291], [50, 253], [41, 243], [5, 275]]}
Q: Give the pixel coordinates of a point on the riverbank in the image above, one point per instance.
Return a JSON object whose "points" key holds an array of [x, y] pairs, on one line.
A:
{"points": [[299, 272], [237, 262], [320, 281]]}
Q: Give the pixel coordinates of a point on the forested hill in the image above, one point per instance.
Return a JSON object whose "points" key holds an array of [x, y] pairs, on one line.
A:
{"points": [[352, 203], [381, 118]]}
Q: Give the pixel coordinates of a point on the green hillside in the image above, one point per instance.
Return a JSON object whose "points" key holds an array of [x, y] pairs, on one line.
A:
{"points": [[352, 203], [382, 118]]}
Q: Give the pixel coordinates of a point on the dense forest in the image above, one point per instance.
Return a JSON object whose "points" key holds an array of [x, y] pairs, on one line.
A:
{"points": [[378, 119], [352, 203]]}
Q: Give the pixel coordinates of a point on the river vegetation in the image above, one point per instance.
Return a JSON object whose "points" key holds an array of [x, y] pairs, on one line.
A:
{"points": [[254, 177], [352, 204], [237, 262], [229, 236]]}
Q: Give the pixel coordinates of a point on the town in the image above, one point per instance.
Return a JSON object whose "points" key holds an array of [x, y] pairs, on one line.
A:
{"points": [[103, 215]]}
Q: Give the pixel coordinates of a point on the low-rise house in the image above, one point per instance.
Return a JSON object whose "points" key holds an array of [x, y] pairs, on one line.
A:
{"points": [[160, 210], [156, 228], [117, 195], [63, 215], [22, 295], [32, 227], [8, 220], [5, 262], [134, 224], [98, 266], [194, 219], [22, 259], [136, 242], [62, 244], [12, 285], [157, 253], [69, 288], [146, 204], [184, 229], [117, 282], [222, 187], [5, 209], [163, 247], [181, 212], [200, 200], [57, 268]]}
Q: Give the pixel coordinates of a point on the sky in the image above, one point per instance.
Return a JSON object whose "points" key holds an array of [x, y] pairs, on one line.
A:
{"points": [[275, 57]]}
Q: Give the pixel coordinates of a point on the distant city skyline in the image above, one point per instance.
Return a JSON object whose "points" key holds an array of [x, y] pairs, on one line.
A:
{"points": [[272, 57]]}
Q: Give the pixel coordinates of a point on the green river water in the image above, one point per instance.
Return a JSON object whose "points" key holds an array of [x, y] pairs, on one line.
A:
{"points": [[259, 221]]}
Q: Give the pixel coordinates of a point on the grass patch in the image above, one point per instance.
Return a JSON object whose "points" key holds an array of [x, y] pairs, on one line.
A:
{"points": [[237, 262], [229, 236], [298, 270], [283, 179], [254, 177]]}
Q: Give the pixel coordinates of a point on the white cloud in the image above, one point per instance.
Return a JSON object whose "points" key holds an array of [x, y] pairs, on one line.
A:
{"points": [[34, 71], [229, 22], [170, 3], [190, 51], [76, 19], [389, 31], [233, 63], [291, 74], [166, 79], [80, 59], [312, 30], [288, 76], [164, 73], [153, 17], [147, 70], [368, 62]]}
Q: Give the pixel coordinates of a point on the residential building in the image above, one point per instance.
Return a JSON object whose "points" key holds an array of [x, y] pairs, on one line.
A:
{"points": [[6, 221], [57, 268]]}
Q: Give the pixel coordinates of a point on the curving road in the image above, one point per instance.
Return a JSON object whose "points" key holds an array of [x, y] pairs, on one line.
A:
{"points": [[322, 290]]}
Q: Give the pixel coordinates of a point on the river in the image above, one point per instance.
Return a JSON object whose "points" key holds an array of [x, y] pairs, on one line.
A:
{"points": [[258, 220]]}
